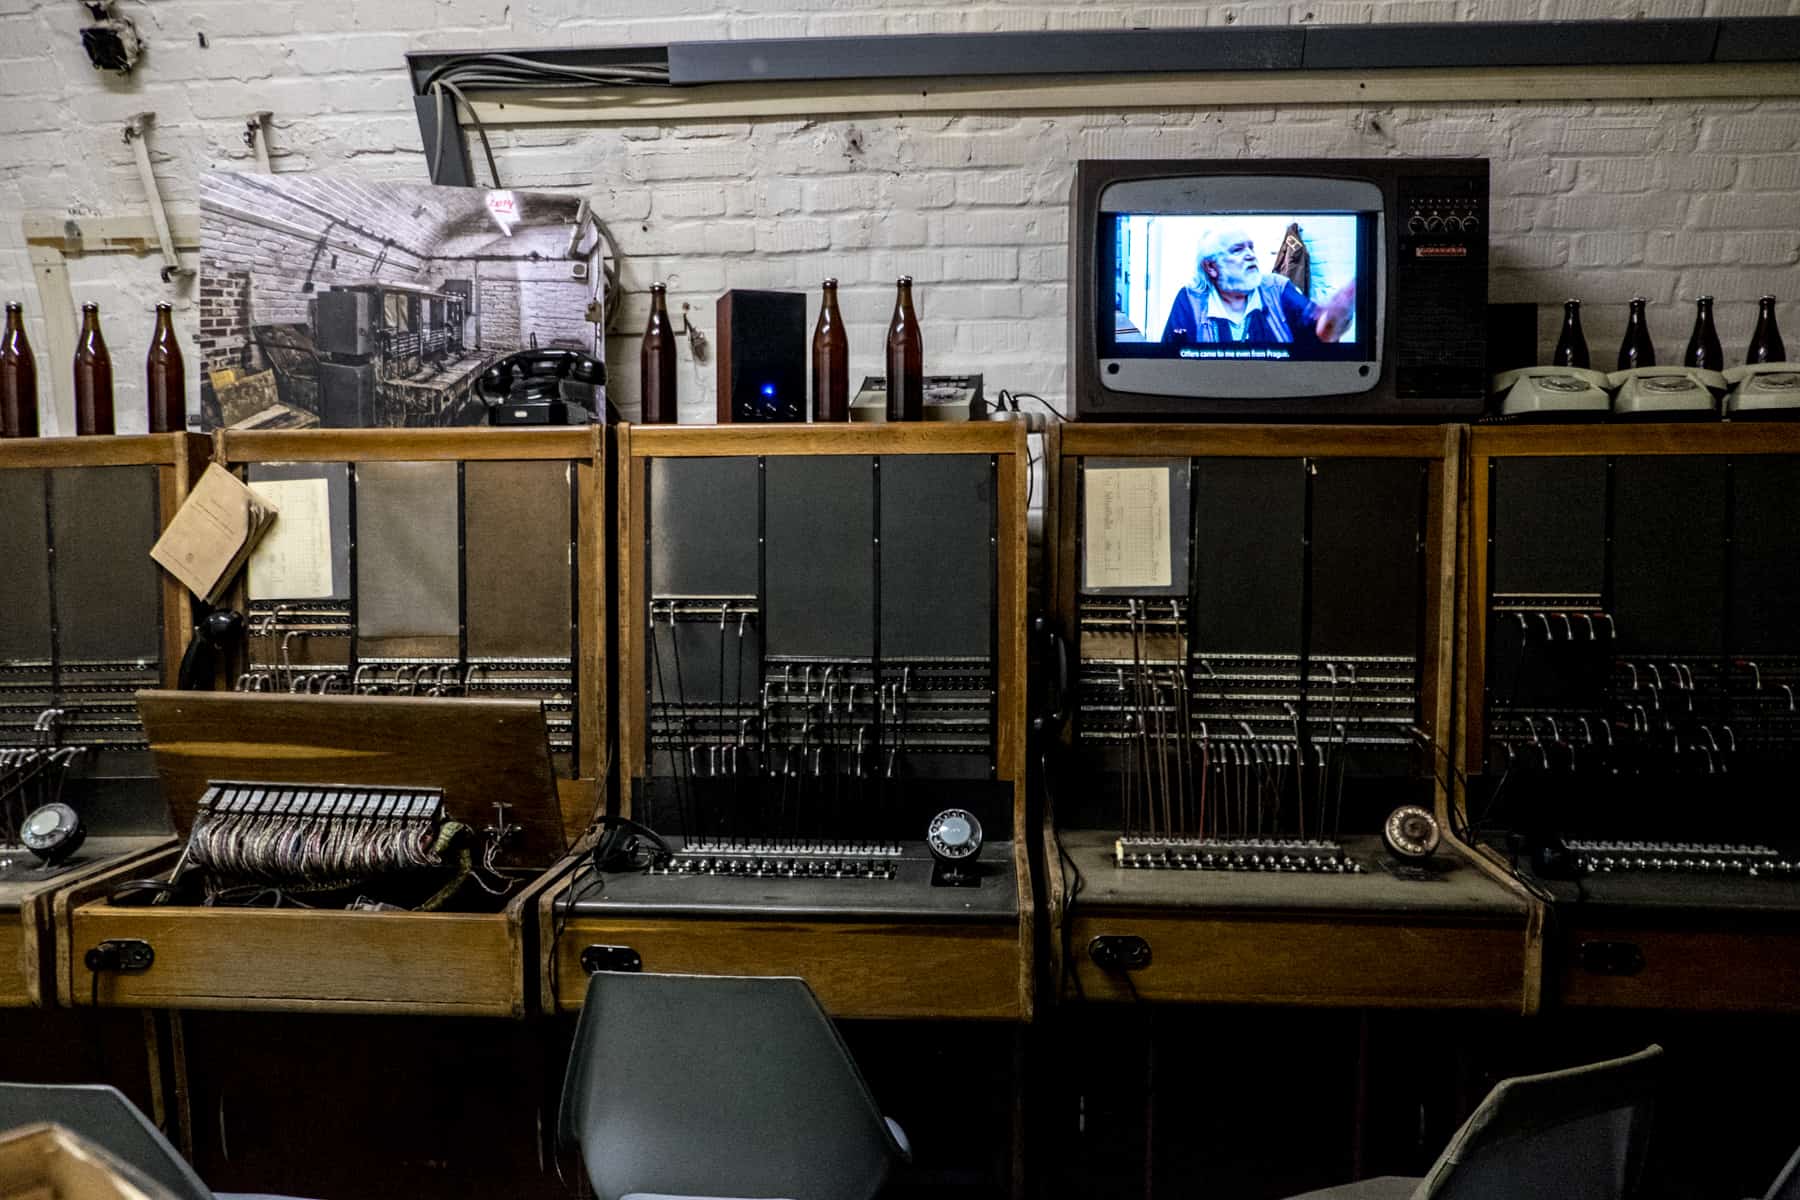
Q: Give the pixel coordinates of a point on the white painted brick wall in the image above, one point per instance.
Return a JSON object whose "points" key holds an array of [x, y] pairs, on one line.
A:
{"points": [[1600, 201]]}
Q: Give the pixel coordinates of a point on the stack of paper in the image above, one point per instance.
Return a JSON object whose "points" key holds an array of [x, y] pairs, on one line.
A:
{"points": [[205, 546]]}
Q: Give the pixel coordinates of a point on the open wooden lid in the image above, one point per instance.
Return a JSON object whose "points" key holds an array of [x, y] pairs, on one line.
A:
{"points": [[478, 752]]}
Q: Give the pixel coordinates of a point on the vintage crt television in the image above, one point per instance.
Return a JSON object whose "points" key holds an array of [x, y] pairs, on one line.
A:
{"points": [[1320, 289]]}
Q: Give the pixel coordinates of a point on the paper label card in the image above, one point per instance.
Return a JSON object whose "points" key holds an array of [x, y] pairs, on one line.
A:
{"points": [[1126, 530], [293, 561]]}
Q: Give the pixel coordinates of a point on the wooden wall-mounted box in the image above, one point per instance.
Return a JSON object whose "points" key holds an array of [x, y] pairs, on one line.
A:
{"points": [[1632, 630], [86, 617], [1259, 626], [822, 639]]}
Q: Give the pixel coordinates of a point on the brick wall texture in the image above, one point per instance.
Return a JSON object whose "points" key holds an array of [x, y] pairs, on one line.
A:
{"points": [[1667, 199]]}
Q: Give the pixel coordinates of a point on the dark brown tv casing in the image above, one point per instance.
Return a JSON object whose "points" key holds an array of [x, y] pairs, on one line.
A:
{"points": [[1430, 306]]}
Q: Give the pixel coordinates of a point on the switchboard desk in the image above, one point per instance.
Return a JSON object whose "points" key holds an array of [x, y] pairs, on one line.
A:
{"points": [[88, 618], [451, 572], [1633, 645], [1257, 629], [822, 636]]}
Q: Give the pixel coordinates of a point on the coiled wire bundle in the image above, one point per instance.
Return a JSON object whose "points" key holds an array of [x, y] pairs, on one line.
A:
{"points": [[312, 839]]}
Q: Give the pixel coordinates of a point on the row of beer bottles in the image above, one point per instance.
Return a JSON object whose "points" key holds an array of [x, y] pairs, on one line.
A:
{"points": [[165, 385], [1703, 344], [831, 360]]}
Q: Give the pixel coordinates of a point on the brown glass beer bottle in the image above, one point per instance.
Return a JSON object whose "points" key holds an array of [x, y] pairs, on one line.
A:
{"points": [[93, 377], [165, 377], [1703, 344], [1571, 347], [831, 361], [905, 359], [18, 379], [1765, 343], [656, 363], [1636, 351]]}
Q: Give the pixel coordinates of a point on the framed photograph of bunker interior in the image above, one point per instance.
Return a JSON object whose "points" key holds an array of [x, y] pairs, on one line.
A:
{"points": [[337, 302]]}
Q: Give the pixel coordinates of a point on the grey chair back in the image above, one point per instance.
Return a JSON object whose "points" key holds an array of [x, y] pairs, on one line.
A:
{"points": [[1578, 1134], [695, 1085], [103, 1116], [1787, 1184]]}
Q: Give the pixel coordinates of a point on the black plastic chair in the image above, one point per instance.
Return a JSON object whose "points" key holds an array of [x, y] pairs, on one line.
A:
{"points": [[715, 1086], [1578, 1134]]}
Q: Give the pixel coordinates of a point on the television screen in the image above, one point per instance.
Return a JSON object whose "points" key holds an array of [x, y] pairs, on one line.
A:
{"points": [[1239, 285]]}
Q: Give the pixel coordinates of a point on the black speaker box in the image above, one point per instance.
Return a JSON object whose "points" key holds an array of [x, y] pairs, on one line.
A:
{"points": [[1512, 340], [762, 356]]}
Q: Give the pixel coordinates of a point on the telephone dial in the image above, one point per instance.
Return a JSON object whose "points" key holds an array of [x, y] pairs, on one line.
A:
{"points": [[543, 387]]}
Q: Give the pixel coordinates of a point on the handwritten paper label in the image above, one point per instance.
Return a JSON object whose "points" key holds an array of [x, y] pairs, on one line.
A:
{"points": [[1127, 527], [294, 561]]}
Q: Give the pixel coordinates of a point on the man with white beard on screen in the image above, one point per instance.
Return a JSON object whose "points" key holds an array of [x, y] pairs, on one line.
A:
{"points": [[1233, 301]]}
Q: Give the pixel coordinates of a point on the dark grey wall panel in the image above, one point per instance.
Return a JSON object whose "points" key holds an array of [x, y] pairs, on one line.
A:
{"points": [[408, 571], [1249, 557], [517, 525], [1549, 526], [703, 514], [1509, 44], [1758, 39], [24, 569], [821, 556], [1669, 558], [937, 561], [1765, 555], [1367, 524], [108, 589], [986, 54]]}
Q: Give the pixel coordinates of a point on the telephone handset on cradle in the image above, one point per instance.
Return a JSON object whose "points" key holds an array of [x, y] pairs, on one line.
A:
{"points": [[543, 387]]}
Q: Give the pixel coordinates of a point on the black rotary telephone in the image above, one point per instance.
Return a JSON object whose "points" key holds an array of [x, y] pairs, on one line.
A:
{"points": [[543, 387]]}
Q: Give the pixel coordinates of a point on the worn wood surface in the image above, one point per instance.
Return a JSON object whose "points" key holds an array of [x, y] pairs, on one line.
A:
{"points": [[480, 752], [300, 960], [1308, 960], [1711, 968], [471, 443], [703, 441], [1080, 440], [858, 968], [36, 925]]}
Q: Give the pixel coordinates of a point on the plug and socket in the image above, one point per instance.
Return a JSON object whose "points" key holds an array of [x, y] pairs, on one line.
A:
{"points": [[1119, 952], [120, 954]]}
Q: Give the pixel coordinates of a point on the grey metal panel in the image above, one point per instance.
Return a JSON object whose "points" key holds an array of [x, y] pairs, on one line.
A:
{"points": [[1765, 555], [1509, 44], [407, 565], [703, 514], [820, 570], [1367, 529], [1549, 526], [1758, 39], [986, 54], [25, 574], [108, 595], [1249, 540], [337, 494], [518, 525], [937, 559], [1669, 553]]}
